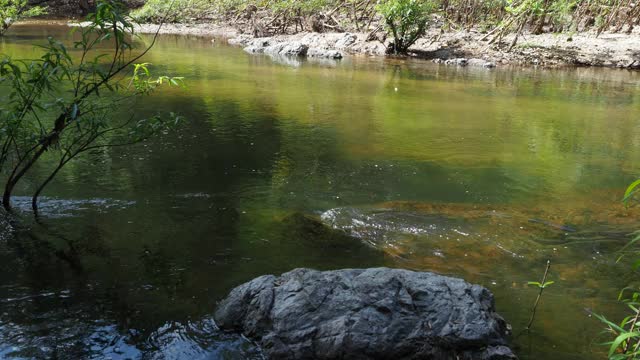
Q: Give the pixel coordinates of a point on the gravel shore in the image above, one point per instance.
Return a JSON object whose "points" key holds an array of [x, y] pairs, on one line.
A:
{"points": [[457, 48]]}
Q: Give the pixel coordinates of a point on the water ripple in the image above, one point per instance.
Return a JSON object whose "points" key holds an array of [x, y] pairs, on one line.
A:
{"points": [[61, 208]]}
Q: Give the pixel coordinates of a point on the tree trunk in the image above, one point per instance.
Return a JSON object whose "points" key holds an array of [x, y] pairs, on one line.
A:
{"points": [[34, 199], [538, 29], [17, 175]]}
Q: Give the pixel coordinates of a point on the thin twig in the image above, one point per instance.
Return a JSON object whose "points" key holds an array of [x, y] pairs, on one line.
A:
{"points": [[535, 305], [633, 326]]}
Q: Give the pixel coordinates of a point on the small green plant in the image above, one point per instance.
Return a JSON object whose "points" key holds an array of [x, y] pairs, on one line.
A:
{"points": [[626, 342], [541, 286], [630, 192], [16, 10], [626, 333], [406, 20]]}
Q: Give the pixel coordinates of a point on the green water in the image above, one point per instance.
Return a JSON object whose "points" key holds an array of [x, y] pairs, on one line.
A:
{"points": [[483, 174]]}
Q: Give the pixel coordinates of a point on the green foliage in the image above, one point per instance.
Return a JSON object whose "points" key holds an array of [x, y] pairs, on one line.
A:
{"points": [[145, 83], [518, 7], [469, 13], [16, 10], [63, 105], [156, 11], [630, 192], [626, 334], [223, 6], [540, 285], [303, 6], [406, 20], [188, 10]]}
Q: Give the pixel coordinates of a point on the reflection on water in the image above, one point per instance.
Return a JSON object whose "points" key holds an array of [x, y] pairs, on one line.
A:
{"points": [[53, 208], [73, 333], [467, 172]]}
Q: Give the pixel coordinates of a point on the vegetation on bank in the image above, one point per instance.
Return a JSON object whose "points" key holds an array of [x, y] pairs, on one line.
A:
{"points": [[16, 10], [626, 333], [61, 105], [406, 19], [156, 11]]}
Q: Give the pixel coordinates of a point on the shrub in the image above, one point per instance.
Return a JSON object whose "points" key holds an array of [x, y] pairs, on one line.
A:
{"points": [[16, 10], [406, 20], [626, 334], [63, 105], [155, 11], [304, 6]]}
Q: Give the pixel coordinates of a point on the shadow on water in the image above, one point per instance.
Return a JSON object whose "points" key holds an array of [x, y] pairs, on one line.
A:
{"points": [[70, 296], [70, 292]]}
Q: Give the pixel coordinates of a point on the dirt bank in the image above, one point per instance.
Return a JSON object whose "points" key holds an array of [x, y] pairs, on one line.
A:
{"points": [[546, 50]]}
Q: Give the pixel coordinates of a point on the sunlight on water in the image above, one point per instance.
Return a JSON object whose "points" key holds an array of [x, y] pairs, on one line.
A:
{"points": [[57, 208]]}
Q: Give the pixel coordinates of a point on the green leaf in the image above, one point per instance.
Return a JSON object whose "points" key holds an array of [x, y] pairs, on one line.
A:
{"points": [[630, 243], [610, 324], [619, 340], [631, 190]]}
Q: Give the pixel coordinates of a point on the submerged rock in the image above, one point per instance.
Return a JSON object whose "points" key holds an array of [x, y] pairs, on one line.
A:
{"points": [[313, 232], [380, 227], [307, 240], [377, 313]]}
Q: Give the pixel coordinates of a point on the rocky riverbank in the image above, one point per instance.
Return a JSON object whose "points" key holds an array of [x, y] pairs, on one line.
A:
{"points": [[454, 48]]}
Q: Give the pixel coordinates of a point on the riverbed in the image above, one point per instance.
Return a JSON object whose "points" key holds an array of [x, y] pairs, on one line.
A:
{"points": [[479, 173]]}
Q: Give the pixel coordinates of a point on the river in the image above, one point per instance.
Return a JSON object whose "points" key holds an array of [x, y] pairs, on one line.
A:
{"points": [[479, 173]]}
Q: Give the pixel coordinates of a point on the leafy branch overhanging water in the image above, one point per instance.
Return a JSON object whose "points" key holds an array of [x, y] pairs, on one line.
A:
{"points": [[62, 105]]}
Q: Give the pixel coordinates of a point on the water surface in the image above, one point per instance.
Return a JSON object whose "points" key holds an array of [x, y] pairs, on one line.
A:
{"points": [[483, 174]]}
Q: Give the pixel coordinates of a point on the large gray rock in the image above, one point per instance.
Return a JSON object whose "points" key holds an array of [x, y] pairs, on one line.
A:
{"points": [[273, 48], [294, 48], [310, 46], [375, 313], [324, 54], [458, 61], [346, 41], [481, 63]]}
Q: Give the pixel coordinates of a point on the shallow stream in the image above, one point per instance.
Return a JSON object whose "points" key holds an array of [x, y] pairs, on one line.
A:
{"points": [[477, 173]]}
